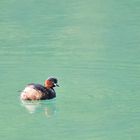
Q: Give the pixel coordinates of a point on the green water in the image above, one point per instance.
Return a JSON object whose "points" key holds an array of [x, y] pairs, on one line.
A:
{"points": [[92, 46]]}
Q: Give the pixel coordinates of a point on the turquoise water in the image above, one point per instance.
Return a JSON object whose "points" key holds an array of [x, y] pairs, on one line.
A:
{"points": [[92, 46]]}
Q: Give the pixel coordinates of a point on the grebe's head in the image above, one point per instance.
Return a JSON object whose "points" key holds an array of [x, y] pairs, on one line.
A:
{"points": [[51, 82]]}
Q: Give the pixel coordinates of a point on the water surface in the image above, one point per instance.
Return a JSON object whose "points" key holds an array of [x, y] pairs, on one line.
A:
{"points": [[92, 46]]}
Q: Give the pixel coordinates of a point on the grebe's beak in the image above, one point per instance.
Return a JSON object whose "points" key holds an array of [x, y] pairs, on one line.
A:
{"points": [[56, 85]]}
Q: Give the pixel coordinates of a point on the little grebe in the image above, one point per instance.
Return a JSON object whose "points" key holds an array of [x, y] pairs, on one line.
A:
{"points": [[39, 92]]}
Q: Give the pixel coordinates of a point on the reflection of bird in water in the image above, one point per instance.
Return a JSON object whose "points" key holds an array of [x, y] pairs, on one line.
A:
{"points": [[50, 110], [48, 107], [31, 106]]}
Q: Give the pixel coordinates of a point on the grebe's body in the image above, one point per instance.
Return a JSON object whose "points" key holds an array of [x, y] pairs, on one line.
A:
{"points": [[39, 92]]}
